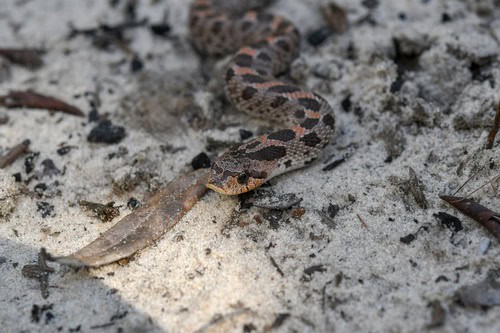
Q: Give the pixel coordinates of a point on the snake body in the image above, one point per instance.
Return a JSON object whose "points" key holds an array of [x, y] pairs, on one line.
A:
{"points": [[264, 45]]}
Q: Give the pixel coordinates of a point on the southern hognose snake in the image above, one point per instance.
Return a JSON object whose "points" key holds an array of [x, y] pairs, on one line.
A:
{"points": [[264, 46]]}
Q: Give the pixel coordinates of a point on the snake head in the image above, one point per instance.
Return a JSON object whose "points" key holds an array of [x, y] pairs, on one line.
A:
{"points": [[232, 176]]}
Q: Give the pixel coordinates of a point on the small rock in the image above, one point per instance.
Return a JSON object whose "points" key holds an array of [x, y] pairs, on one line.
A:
{"points": [[245, 134], [49, 168], [133, 204], [317, 37], [201, 161], [161, 29], [484, 246], [407, 239], [346, 103], [136, 64], [29, 161], [40, 188], [332, 210], [449, 221], [106, 132], [445, 18], [45, 209], [17, 176], [370, 4]]}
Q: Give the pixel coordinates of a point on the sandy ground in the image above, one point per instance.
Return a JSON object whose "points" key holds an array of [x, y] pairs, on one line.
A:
{"points": [[413, 84]]}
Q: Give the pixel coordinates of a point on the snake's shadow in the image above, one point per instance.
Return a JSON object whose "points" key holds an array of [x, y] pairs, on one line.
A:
{"points": [[77, 301]]}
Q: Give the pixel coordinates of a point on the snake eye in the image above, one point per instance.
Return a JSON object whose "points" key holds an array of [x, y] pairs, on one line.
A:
{"points": [[242, 179]]}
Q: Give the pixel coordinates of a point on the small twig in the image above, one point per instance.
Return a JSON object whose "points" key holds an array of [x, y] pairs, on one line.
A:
{"points": [[40, 271], [108, 29], [484, 216], [468, 180], [485, 184], [363, 222], [14, 153], [273, 262], [30, 58], [416, 189], [494, 129], [31, 99]]}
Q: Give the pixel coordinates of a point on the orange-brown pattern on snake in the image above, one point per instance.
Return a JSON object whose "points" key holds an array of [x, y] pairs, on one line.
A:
{"points": [[264, 46]]}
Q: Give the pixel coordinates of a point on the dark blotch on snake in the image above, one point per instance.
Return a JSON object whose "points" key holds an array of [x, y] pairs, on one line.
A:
{"points": [[257, 174], [270, 153], [253, 145], [243, 60], [329, 120], [282, 135], [248, 93], [265, 18], [299, 114], [250, 78], [283, 89], [283, 25], [246, 25], [310, 104], [311, 139], [283, 45], [193, 21], [288, 164], [217, 27], [264, 57], [278, 101], [229, 74], [309, 123]]}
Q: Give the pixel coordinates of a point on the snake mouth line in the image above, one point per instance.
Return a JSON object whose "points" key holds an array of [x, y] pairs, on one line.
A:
{"points": [[218, 189]]}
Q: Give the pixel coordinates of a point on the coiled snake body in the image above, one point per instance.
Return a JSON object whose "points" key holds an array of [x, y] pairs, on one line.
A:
{"points": [[264, 46]]}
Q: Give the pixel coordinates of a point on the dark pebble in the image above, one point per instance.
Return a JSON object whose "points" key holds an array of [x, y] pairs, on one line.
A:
{"points": [[346, 103], [445, 18], [106, 132], [245, 134], [317, 37], [407, 239], [63, 150], [161, 29], [201, 161], [133, 204], [136, 64], [273, 216], [396, 85], [45, 209], [29, 161], [17, 177], [93, 116], [449, 221], [332, 210], [442, 278], [40, 188], [370, 4], [49, 168]]}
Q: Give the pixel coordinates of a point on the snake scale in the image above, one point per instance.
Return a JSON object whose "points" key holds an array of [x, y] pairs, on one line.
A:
{"points": [[264, 45]]}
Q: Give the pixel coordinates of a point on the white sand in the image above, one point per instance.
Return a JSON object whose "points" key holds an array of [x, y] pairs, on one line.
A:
{"points": [[214, 270]]}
